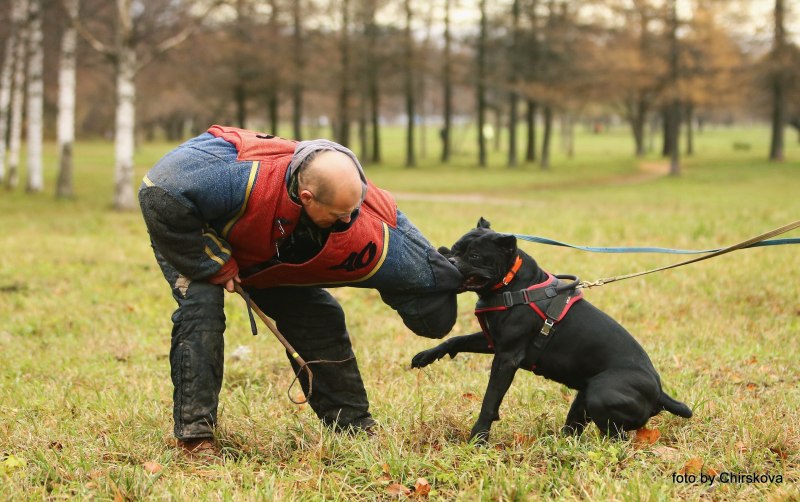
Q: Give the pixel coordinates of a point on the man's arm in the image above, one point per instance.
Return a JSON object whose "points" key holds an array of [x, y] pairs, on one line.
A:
{"points": [[186, 241]]}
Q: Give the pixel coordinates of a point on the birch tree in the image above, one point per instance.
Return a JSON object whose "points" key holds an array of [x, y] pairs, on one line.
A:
{"points": [[123, 53], [35, 182], [20, 19], [66, 102], [5, 88]]}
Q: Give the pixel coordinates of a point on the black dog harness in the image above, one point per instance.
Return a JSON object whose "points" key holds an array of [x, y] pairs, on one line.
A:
{"points": [[551, 300]]}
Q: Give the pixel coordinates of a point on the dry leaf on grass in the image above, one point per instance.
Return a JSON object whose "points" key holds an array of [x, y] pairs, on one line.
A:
{"points": [[470, 396], [692, 466], [645, 437], [667, 453], [422, 488], [398, 490], [152, 467]]}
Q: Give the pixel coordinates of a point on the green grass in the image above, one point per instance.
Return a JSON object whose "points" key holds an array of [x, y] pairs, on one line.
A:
{"points": [[85, 394]]}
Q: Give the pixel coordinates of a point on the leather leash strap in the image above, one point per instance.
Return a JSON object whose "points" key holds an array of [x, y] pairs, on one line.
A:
{"points": [[741, 245]]}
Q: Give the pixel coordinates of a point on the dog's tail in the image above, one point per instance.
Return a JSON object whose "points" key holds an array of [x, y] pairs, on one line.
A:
{"points": [[673, 406]]}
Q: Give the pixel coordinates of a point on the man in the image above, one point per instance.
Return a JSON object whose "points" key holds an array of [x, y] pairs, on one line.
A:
{"points": [[284, 219]]}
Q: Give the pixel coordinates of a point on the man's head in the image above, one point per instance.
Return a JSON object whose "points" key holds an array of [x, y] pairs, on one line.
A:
{"points": [[330, 188]]}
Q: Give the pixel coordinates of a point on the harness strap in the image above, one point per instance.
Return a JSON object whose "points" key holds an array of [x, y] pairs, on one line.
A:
{"points": [[562, 292]]}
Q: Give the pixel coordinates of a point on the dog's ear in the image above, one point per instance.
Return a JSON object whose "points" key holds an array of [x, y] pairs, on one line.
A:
{"points": [[482, 223], [445, 251], [507, 242]]}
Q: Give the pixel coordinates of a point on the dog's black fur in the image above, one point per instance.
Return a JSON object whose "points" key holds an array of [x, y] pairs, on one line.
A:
{"points": [[618, 387]]}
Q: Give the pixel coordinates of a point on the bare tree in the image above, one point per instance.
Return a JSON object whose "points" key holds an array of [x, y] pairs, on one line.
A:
{"points": [[5, 85], [19, 13], [447, 85], [35, 92], [343, 133], [675, 104], [513, 97], [123, 53], [778, 78], [480, 86], [299, 70], [66, 102], [411, 159]]}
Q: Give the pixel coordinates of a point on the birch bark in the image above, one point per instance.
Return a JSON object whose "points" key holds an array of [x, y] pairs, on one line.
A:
{"points": [[20, 9], [66, 102], [35, 97], [5, 93]]}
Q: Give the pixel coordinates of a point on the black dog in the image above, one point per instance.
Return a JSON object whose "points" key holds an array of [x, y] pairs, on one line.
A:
{"points": [[523, 311]]}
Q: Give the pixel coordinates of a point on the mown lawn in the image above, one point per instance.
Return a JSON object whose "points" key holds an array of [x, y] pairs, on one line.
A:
{"points": [[85, 394]]}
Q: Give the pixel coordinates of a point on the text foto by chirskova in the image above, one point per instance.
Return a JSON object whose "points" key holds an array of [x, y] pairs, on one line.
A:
{"points": [[726, 478]]}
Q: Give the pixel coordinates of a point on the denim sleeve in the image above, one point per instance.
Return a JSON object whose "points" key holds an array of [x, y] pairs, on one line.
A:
{"points": [[187, 197], [182, 237]]}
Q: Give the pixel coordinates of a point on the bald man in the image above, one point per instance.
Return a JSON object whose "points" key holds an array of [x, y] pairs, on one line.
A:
{"points": [[287, 220]]}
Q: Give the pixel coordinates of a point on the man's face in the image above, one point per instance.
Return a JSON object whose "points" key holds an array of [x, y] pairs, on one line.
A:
{"points": [[341, 209]]}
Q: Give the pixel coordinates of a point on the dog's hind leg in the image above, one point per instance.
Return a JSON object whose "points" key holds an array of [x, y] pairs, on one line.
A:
{"points": [[578, 416], [620, 401]]}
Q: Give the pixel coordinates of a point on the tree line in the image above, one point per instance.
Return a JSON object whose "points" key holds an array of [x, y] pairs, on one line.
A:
{"points": [[135, 69]]}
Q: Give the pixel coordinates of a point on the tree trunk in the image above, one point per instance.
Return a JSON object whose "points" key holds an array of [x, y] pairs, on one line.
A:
{"points": [[778, 85], [125, 129], [480, 88], [513, 99], [17, 95], [548, 133], [411, 160], [5, 85], [373, 89], [530, 117], [299, 61], [447, 87], [344, 90], [35, 182], [638, 123], [675, 109], [689, 129], [66, 103]]}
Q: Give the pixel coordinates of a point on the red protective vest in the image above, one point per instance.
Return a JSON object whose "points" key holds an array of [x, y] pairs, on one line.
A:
{"points": [[269, 214]]}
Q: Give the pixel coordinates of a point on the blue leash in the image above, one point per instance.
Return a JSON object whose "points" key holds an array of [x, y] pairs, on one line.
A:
{"points": [[757, 241], [592, 249]]}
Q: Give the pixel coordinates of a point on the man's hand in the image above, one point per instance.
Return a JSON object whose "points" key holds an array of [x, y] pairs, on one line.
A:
{"points": [[230, 282]]}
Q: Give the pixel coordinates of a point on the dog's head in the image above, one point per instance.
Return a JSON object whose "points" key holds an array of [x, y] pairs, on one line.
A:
{"points": [[482, 255]]}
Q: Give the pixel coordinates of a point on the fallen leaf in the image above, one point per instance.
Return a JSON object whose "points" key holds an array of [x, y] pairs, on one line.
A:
{"points": [[398, 490], [645, 437], [780, 452], [711, 471], [152, 467], [751, 386], [667, 453], [422, 487], [470, 396], [56, 445], [522, 439], [385, 475], [693, 466]]}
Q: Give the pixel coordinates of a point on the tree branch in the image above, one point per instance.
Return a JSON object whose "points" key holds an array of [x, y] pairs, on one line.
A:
{"points": [[93, 41]]}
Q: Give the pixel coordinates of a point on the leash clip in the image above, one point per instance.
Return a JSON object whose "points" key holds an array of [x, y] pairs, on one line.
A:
{"points": [[548, 325]]}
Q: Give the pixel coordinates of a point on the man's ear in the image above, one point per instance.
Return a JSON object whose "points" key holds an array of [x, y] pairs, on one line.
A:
{"points": [[507, 242], [305, 196], [482, 223], [445, 251]]}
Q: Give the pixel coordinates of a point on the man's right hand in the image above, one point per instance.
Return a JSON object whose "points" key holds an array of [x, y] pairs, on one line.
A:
{"points": [[229, 284]]}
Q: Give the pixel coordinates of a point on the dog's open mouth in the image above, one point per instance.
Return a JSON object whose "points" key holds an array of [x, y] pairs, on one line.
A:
{"points": [[475, 283]]}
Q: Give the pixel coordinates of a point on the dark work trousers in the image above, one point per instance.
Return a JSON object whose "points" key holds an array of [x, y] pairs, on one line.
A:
{"points": [[309, 317], [416, 281]]}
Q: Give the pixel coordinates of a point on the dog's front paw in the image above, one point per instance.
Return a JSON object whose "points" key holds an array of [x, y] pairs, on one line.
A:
{"points": [[479, 436], [426, 357]]}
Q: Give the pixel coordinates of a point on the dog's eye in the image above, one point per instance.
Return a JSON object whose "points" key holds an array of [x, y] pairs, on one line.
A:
{"points": [[474, 257]]}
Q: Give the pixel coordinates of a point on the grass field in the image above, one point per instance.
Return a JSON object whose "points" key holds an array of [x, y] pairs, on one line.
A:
{"points": [[85, 394]]}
